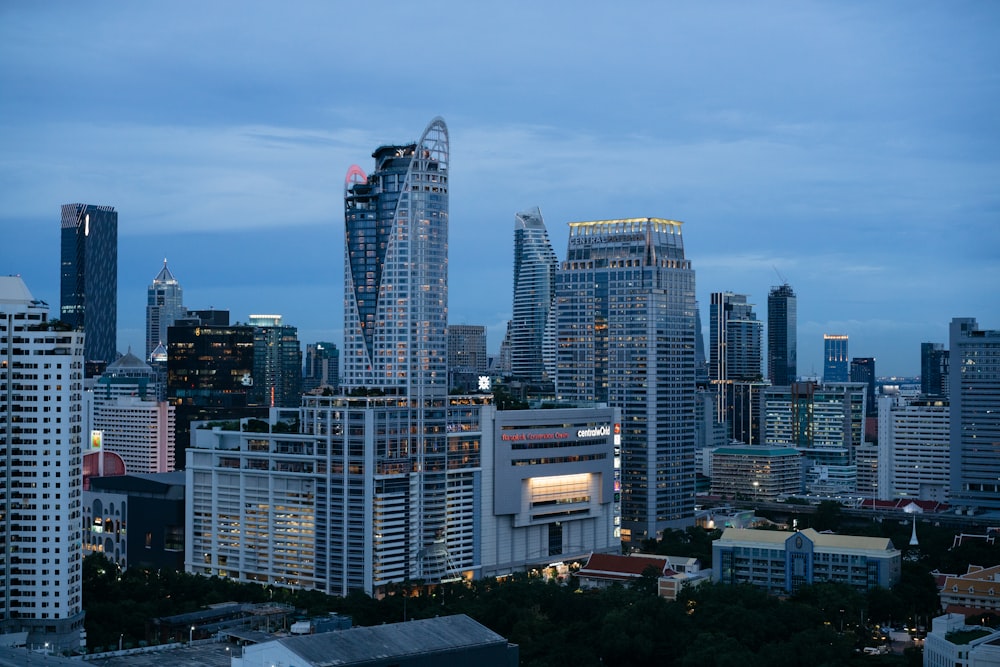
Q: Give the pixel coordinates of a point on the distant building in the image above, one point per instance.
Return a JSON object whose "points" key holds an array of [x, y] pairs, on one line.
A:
{"points": [[757, 473], [916, 435], [136, 520], [130, 419], [626, 337], [835, 367], [782, 335], [445, 641], [88, 277], [863, 370], [277, 362], [672, 572], [466, 356], [322, 368], [164, 306], [734, 356], [933, 369], [824, 422], [532, 327], [975, 414], [41, 445], [782, 562]]}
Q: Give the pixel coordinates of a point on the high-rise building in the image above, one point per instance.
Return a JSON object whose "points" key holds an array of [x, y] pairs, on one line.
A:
{"points": [[466, 355], [532, 327], [863, 370], [277, 360], [322, 367], [782, 341], [164, 306], [917, 437], [625, 326], [824, 422], [836, 362], [933, 369], [734, 356], [41, 445], [131, 419], [975, 414], [88, 278]]}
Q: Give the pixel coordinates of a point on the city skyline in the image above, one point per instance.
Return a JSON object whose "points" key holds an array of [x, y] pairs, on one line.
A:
{"points": [[824, 142]]}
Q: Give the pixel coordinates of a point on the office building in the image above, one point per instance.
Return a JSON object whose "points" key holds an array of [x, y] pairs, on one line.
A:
{"points": [[916, 436], [782, 336], [626, 337], [933, 369], [532, 327], [322, 370], [863, 370], [88, 278], [130, 419], [835, 360], [825, 423], [164, 306], [136, 520], [41, 445], [734, 356], [466, 356], [780, 562], [756, 473], [975, 414], [210, 376], [277, 362]]}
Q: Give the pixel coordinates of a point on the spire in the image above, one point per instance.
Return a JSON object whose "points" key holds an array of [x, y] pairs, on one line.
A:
{"points": [[164, 276], [913, 535]]}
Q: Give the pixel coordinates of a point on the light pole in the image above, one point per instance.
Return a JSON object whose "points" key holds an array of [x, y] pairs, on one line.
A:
{"points": [[756, 488], [191, 635], [120, 638]]}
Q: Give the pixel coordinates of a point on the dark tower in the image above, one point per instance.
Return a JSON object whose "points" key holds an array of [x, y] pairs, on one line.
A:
{"points": [[781, 336]]}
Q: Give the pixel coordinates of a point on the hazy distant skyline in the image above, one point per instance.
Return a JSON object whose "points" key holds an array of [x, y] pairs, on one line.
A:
{"points": [[852, 147]]}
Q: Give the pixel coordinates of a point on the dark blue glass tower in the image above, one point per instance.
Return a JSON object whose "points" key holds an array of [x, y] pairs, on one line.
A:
{"points": [[88, 280]]}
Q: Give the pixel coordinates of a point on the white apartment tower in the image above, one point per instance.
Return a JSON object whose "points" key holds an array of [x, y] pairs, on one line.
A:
{"points": [[41, 389]]}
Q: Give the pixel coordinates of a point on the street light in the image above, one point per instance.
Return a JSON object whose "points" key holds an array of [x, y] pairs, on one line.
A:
{"points": [[191, 635], [756, 488]]}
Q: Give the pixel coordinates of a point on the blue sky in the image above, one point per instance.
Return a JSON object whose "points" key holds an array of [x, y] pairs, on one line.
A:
{"points": [[852, 146]]}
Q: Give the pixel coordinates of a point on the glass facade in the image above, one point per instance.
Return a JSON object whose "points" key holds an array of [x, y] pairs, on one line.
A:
{"points": [[782, 332], [625, 312], [532, 327], [164, 306], [88, 280], [836, 367]]}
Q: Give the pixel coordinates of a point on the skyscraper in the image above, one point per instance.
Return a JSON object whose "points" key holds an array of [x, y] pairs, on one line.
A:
{"points": [[626, 336], [277, 362], [164, 306], [88, 280], [975, 414], [532, 327], [466, 355], [782, 342], [734, 357], [322, 367], [396, 269], [933, 369], [836, 362], [863, 370], [41, 399]]}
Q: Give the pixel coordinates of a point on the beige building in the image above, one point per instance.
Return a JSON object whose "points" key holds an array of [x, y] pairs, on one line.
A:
{"points": [[758, 473]]}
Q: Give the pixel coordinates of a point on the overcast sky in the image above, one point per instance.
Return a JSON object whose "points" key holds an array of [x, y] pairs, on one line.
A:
{"points": [[854, 147]]}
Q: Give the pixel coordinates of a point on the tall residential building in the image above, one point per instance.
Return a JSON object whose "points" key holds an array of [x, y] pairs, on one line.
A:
{"points": [[933, 369], [532, 327], [466, 356], [863, 370], [130, 417], [825, 423], [917, 438], [88, 277], [734, 355], [975, 414], [41, 446], [835, 360], [322, 367], [277, 362], [782, 341], [625, 325], [164, 306]]}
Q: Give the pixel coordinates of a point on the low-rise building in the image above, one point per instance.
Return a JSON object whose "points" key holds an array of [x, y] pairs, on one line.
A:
{"points": [[978, 590], [780, 562], [672, 572], [952, 643], [757, 473]]}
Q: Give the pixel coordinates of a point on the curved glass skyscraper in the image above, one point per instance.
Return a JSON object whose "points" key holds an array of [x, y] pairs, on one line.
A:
{"points": [[532, 328]]}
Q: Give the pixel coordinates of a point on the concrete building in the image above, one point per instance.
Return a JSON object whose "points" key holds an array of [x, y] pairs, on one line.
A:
{"points": [[446, 641], [780, 562], [466, 356], [952, 643], [41, 444], [975, 414], [757, 473], [625, 312], [88, 277], [917, 435], [976, 591]]}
